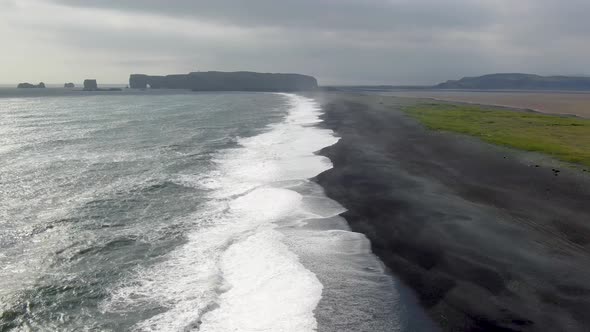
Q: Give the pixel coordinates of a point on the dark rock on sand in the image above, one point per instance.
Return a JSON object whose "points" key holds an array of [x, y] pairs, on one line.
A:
{"points": [[487, 243]]}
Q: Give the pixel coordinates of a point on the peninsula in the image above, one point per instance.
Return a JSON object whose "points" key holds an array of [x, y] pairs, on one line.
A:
{"points": [[225, 81], [517, 81]]}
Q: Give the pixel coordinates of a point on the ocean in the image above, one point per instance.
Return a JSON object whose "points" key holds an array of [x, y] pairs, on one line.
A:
{"points": [[179, 211]]}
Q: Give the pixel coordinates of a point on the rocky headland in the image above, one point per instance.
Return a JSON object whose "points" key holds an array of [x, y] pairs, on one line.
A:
{"points": [[226, 81], [517, 81]]}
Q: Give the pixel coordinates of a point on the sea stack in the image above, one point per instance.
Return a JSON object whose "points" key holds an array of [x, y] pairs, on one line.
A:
{"points": [[41, 85], [90, 85], [69, 85]]}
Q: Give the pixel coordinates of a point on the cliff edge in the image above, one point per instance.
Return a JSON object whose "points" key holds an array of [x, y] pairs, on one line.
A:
{"points": [[225, 81]]}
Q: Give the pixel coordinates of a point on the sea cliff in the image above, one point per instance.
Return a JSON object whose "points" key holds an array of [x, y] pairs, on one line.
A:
{"points": [[225, 81]]}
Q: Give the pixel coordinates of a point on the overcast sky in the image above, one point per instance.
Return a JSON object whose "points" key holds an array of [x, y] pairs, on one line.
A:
{"points": [[338, 41]]}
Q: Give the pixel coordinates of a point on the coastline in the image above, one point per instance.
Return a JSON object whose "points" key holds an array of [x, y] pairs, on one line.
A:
{"points": [[486, 241], [556, 103]]}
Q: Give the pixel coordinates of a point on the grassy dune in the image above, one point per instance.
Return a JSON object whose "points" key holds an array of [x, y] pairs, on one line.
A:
{"points": [[564, 138]]}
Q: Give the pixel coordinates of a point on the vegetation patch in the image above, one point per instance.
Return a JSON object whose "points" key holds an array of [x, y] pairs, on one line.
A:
{"points": [[565, 138]]}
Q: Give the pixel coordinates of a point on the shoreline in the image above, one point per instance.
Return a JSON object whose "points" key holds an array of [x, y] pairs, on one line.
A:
{"points": [[555, 103], [486, 241]]}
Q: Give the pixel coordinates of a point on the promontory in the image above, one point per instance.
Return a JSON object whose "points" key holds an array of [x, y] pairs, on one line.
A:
{"points": [[226, 81], [516, 81]]}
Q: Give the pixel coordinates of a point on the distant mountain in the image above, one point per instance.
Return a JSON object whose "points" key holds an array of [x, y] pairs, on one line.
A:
{"points": [[519, 82], [226, 81]]}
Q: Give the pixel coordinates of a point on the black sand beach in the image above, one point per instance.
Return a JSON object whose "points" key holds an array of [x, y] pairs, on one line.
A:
{"points": [[489, 238]]}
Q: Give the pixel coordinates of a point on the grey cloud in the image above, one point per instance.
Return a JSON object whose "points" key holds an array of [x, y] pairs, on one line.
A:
{"points": [[339, 41], [304, 14], [340, 58]]}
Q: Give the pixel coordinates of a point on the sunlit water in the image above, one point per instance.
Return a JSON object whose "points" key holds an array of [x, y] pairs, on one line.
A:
{"points": [[176, 212]]}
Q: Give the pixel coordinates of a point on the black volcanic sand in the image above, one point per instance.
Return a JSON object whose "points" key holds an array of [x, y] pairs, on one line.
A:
{"points": [[488, 241]]}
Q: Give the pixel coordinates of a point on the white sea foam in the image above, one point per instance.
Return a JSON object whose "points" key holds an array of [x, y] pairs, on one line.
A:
{"points": [[281, 154], [235, 272], [268, 289]]}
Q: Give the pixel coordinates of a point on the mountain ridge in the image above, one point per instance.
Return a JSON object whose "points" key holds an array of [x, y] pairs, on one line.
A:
{"points": [[518, 81]]}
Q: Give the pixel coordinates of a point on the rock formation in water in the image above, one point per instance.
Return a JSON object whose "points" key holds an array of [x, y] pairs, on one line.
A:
{"points": [[69, 85], [519, 82], [90, 85], [226, 81], [30, 86]]}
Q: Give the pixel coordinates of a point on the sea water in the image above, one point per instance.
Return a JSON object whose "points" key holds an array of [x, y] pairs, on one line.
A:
{"points": [[167, 211]]}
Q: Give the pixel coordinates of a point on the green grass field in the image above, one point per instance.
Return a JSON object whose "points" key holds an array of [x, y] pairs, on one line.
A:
{"points": [[564, 138]]}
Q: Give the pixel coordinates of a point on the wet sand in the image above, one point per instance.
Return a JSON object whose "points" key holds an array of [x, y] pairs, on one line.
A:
{"points": [[565, 103], [490, 239]]}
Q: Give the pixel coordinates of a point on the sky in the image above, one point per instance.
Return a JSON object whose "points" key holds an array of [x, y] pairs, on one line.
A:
{"points": [[337, 41]]}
